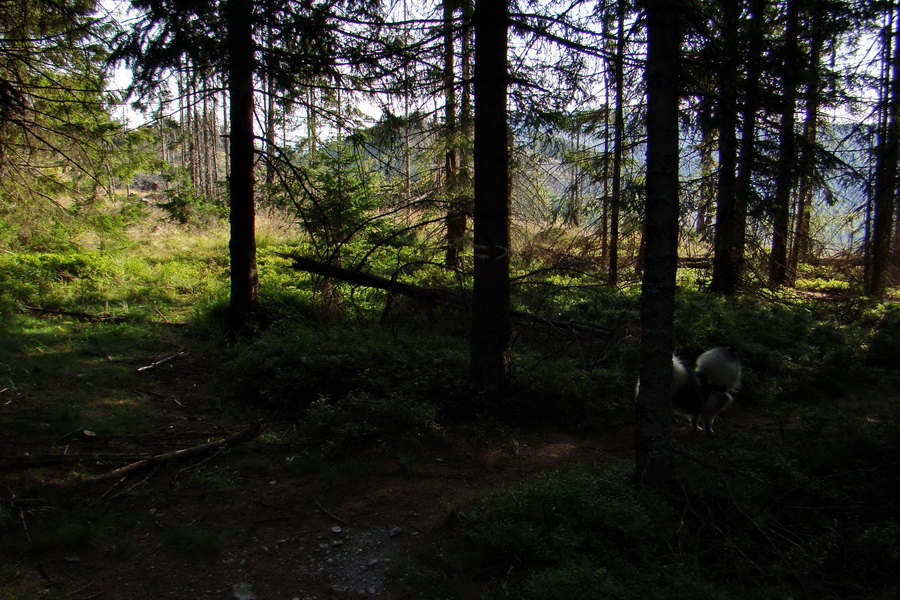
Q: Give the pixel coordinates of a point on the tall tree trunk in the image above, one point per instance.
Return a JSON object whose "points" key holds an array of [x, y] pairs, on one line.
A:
{"points": [[161, 122], [244, 275], [270, 119], [226, 134], [491, 330], [312, 122], [214, 140], [706, 213], [801, 243], [606, 174], [653, 436], [182, 118], [746, 152], [209, 145], [878, 267], [455, 220], [784, 178], [727, 119], [197, 135], [618, 145]]}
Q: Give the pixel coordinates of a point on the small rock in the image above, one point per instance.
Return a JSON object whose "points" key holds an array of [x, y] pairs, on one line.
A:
{"points": [[336, 529], [242, 591], [396, 531]]}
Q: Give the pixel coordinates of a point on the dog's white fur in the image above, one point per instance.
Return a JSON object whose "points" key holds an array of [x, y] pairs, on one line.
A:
{"points": [[703, 393]]}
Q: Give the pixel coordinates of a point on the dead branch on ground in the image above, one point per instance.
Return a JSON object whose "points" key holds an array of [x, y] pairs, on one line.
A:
{"points": [[160, 362], [240, 437], [437, 296], [83, 316]]}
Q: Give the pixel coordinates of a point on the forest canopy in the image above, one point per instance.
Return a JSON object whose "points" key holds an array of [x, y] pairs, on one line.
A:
{"points": [[786, 127]]}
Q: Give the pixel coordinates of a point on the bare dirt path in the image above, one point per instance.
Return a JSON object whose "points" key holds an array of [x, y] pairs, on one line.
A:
{"points": [[258, 521], [271, 535]]}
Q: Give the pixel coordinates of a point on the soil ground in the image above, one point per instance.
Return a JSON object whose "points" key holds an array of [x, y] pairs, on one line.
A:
{"points": [[259, 520]]}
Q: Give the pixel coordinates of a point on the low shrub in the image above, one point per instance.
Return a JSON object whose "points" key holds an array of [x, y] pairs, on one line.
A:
{"points": [[359, 419]]}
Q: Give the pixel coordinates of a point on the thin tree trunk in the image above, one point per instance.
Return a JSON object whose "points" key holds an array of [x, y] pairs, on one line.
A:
{"points": [[164, 151], [886, 172], [801, 242], [706, 213], [209, 146], [244, 275], [491, 330], [746, 151], [226, 133], [270, 122], [182, 119], [784, 179], [455, 220], [727, 117], [193, 134], [653, 434], [312, 128], [618, 146], [214, 140]]}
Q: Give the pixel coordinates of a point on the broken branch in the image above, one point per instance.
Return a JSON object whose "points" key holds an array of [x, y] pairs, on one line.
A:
{"points": [[159, 362], [77, 315], [244, 435]]}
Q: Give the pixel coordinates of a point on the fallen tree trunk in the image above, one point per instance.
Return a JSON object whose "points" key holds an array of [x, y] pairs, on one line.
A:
{"points": [[244, 435], [302, 263], [83, 316]]}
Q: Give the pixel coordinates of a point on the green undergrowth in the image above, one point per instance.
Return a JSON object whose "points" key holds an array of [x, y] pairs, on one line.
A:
{"points": [[581, 532], [802, 502], [803, 506], [60, 374], [152, 281]]}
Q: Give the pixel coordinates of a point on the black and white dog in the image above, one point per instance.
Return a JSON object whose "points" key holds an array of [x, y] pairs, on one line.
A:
{"points": [[706, 391]]}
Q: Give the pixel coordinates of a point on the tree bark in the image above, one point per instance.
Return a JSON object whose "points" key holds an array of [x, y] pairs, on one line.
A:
{"points": [[886, 170], [653, 433], [618, 145], [242, 246], [784, 178], [455, 220], [723, 277], [270, 120], [800, 247], [491, 331], [746, 151]]}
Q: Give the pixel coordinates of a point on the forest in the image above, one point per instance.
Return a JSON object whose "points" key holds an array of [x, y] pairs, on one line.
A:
{"points": [[349, 299]]}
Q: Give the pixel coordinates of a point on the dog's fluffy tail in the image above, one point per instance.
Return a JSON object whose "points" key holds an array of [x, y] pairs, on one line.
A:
{"points": [[720, 368]]}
